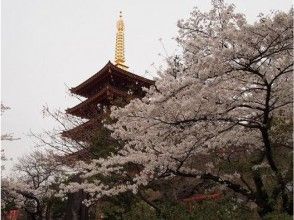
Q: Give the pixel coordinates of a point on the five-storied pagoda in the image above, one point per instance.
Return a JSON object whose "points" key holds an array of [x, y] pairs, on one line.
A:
{"points": [[112, 85]]}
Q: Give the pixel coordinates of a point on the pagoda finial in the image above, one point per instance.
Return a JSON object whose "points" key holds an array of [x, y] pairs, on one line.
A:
{"points": [[120, 43]]}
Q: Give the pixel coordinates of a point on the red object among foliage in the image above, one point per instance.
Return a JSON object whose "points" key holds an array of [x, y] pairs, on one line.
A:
{"points": [[12, 215], [201, 197]]}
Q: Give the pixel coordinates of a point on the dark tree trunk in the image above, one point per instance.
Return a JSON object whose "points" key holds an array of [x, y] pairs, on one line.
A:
{"points": [[279, 177], [262, 199], [48, 211], [84, 210], [75, 209]]}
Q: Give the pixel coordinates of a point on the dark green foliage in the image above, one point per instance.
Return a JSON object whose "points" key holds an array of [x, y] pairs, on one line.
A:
{"points": [[58, 207], [225, 209], [103, 144], [278, 216], [116, 207]]}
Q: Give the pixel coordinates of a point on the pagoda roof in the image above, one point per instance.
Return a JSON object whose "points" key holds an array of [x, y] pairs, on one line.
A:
{"points": [[83, 88], [103, 94]]}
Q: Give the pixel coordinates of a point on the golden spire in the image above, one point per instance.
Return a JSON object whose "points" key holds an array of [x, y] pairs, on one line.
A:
{"points": [[120, 43]]}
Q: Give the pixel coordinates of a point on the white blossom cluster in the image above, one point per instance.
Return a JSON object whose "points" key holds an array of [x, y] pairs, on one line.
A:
{"points": [[36, 180]]}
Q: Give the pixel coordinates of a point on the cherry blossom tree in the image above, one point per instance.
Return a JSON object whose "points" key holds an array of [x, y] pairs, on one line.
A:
{"points": [[34, 185], [214, 114], [5, 137]]}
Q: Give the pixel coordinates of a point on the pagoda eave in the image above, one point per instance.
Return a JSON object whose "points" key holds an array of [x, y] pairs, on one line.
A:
{"points": [[85, 131], [70, 159], [86, 108], [108, 69]]}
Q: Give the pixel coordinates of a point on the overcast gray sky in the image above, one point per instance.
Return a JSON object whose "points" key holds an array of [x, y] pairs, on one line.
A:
{"points": [[49, 43]]}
